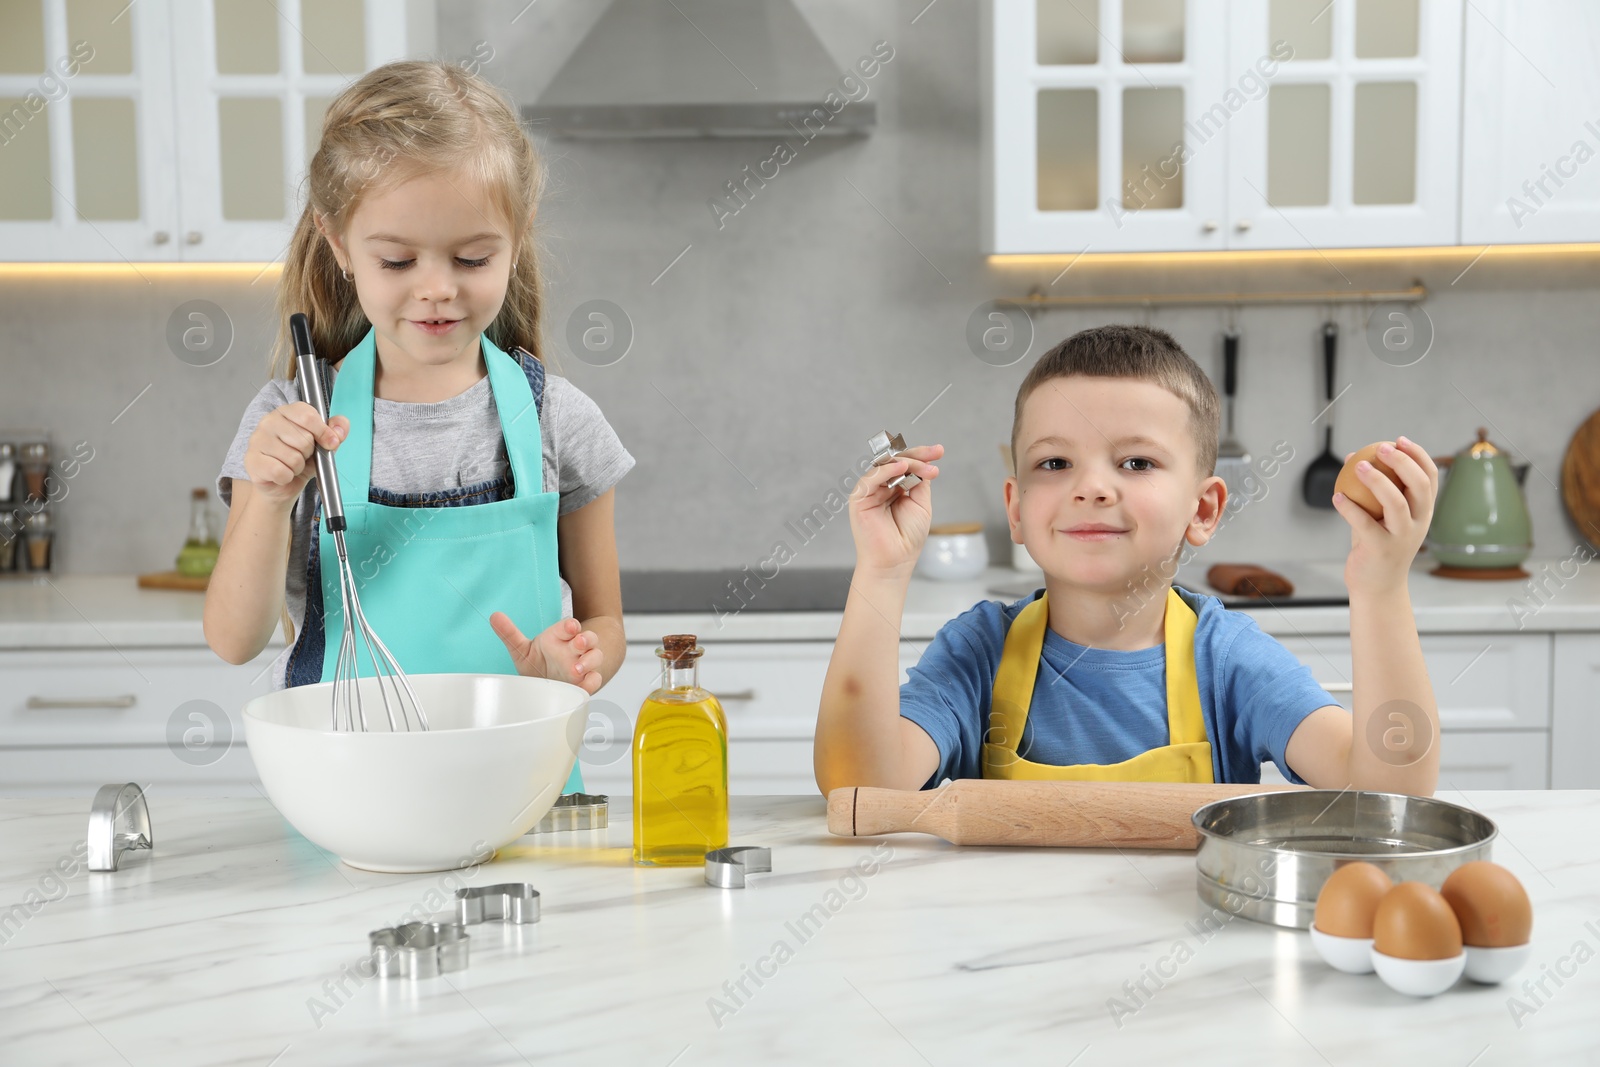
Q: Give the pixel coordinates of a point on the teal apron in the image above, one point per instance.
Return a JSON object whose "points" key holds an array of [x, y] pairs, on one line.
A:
{"points": [[430, 577]]}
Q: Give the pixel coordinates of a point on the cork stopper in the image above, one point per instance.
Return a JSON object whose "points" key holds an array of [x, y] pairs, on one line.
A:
{"points": [[679, 648], [200, 494]]}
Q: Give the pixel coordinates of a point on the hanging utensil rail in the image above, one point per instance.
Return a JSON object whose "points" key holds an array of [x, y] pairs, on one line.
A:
{"points": [[1416, 294]]}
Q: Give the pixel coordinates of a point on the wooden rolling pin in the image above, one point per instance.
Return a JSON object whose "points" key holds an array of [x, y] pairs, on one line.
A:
{"points": [[976, 811]]}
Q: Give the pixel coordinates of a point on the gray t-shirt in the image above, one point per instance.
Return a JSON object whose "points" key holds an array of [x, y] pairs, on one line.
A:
{"points": [[420, 448]]}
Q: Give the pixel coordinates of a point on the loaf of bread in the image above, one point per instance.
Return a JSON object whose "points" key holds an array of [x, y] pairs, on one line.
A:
{"points": [[1247, 579]]}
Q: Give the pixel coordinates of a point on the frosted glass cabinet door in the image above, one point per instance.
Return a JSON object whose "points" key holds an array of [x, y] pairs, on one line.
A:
{"points": [[1355, 141], [1090, 139], [253, 78], [1530, 130], [86, 152]]}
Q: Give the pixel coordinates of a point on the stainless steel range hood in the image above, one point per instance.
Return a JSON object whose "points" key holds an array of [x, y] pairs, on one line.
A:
{"points": [[698, 68]]}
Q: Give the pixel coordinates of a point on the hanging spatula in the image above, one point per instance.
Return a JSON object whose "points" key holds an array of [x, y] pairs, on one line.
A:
{"points": [[1317, 488]]}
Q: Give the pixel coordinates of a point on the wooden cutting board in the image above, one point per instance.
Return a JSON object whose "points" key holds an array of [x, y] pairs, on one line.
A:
{"points": [[1580, 479], [173, 580], [976, 811]]}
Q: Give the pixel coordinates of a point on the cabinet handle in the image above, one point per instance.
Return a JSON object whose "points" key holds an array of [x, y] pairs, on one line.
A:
{"points": [[738, 694], [1243, 225], [1209, 226], [1339, 687], [126, 700], [161, 237], [192, 237]]}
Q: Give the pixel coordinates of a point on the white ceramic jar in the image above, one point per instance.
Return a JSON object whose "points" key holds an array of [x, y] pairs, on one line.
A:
{"points": [[954, 552]]}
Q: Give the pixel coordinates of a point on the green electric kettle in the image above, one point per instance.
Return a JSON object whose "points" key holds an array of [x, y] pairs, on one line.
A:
{"points": [[1480, 521]]}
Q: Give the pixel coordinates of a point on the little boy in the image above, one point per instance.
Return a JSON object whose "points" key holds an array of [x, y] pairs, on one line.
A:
{"points": [[1115, 441]]}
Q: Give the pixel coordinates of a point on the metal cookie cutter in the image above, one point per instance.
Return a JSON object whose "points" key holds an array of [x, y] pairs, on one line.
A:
{"points": [[885, 449], [574, 811], [512, 902], [119, 821], [419, 950], [726, 867]]}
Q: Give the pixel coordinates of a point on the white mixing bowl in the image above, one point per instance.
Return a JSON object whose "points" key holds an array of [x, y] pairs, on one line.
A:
{"points": [[498, 751]]}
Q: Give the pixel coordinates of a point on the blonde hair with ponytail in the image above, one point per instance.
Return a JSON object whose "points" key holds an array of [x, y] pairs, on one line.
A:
{"points": [[398, 121]]}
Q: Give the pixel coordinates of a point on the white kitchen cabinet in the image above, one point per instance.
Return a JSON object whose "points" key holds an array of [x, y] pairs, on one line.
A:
{"points": [[253, 81], [1530, 130], [769, 691], [1356, 141], [1494, 759], [88, 149], [185, 135], [1481, 759], [1087, 105], [74, 720], [1575, 712], [1489, 681], [1494, 697], [1191, 125]]}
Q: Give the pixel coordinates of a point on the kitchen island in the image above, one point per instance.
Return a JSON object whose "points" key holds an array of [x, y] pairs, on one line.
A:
{"points": [[236, 941]]}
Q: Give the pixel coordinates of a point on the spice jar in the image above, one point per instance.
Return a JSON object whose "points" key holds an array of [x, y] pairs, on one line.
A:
{"points": [[41, 540], [10, 541], [35, 467], [8, 471]]}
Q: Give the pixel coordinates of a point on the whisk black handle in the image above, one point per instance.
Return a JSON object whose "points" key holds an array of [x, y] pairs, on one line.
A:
{"points": [[306, 370]]}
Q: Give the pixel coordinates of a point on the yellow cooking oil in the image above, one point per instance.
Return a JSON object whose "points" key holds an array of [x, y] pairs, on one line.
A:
{"points": [[680, 765]]}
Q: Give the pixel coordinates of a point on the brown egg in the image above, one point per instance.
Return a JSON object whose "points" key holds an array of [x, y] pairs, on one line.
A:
{"points": [[1413, 922], [1490, 904], [1349, 900], [1353, 487]]}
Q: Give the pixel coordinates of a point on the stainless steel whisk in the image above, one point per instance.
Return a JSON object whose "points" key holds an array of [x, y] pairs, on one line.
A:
{"points": [[390, 679]]}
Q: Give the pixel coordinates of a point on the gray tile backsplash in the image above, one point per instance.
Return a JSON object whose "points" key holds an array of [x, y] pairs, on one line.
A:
{"points": [[833, 305]]}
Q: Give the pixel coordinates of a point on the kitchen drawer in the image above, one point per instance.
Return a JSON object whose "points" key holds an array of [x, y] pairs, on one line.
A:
{"points": [[1575, 712], [1494, 759], [67, 698], [1481, 681], [1482, 759], [769, 689], [79, 770], [754, 768]]}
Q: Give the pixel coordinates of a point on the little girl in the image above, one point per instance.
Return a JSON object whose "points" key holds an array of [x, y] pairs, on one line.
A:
{"points": [[415, 263]]}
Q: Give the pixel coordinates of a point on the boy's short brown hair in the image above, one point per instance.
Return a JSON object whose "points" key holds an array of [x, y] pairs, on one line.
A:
{"points": [[1133, 352]]}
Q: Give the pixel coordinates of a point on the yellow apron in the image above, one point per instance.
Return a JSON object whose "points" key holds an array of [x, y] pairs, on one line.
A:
{"points": [[1187, 756]]}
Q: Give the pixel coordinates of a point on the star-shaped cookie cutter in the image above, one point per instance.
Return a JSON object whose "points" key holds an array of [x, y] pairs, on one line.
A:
{"points": [[886, 448]]}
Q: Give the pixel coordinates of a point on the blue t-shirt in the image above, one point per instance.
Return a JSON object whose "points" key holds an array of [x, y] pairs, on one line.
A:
{"points": [[1096, 705]]}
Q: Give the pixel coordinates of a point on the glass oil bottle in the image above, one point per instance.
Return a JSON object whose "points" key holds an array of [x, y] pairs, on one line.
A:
{"points": [[680, 765], [198, 557]]}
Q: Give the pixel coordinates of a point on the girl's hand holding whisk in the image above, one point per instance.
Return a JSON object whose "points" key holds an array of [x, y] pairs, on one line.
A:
{"points": [[279, 456], [565, 652]]}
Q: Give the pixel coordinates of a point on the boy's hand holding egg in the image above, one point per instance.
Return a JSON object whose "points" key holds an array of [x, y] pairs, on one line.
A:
{"points": [[1386, 493], [565, 652]]}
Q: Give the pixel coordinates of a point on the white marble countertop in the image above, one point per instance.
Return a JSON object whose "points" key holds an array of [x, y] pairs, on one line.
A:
{"points": [[94, 611], [236, 942]]}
